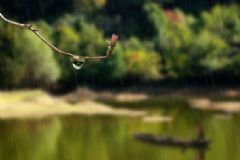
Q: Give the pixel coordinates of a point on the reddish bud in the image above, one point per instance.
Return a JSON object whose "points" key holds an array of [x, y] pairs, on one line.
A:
{"points": [[113, 40]]}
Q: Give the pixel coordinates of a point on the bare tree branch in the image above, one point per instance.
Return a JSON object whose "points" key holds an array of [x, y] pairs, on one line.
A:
{"points": [[29, 27]]}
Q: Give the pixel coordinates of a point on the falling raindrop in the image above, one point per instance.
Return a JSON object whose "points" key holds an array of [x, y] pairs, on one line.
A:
{"points": [[78, 62]]}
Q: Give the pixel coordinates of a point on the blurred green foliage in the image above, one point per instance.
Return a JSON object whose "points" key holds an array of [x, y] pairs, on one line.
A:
{"points": [[25, 60], [140, 59], [218, 39], [158, 40]]}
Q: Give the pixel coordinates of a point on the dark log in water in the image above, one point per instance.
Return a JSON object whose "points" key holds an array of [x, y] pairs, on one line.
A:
{"points": [[173, 142]]}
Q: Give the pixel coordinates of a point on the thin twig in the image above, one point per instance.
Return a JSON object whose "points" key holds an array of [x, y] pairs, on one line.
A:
{"points": [[75, 56]]}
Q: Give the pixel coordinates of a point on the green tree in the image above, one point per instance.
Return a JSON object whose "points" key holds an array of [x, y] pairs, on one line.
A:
{"points": [[26, 60], [223, 21], [211, 51], [173, 38], [217, 41], [141, 60]]}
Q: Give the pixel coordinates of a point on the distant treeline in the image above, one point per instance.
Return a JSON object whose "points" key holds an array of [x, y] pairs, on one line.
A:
{"points": [[159, 39]]}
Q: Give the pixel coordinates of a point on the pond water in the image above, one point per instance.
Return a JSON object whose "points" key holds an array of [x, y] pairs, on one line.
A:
{"points": [[111, 138]]}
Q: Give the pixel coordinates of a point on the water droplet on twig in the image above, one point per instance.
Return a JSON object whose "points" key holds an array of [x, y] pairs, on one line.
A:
{"points": [[78, 62]]}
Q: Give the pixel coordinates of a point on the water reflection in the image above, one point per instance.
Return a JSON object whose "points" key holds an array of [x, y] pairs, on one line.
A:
{"points": [[29, 140], [108, 138], [201, 154]]}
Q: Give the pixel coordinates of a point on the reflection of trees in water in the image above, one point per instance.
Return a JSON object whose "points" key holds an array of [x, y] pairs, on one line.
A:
{"points": [[106, 138], [29, 140], [201, 154]]}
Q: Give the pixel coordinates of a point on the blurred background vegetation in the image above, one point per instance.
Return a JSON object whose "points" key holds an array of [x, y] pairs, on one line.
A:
{"points": [[159, 40]]}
